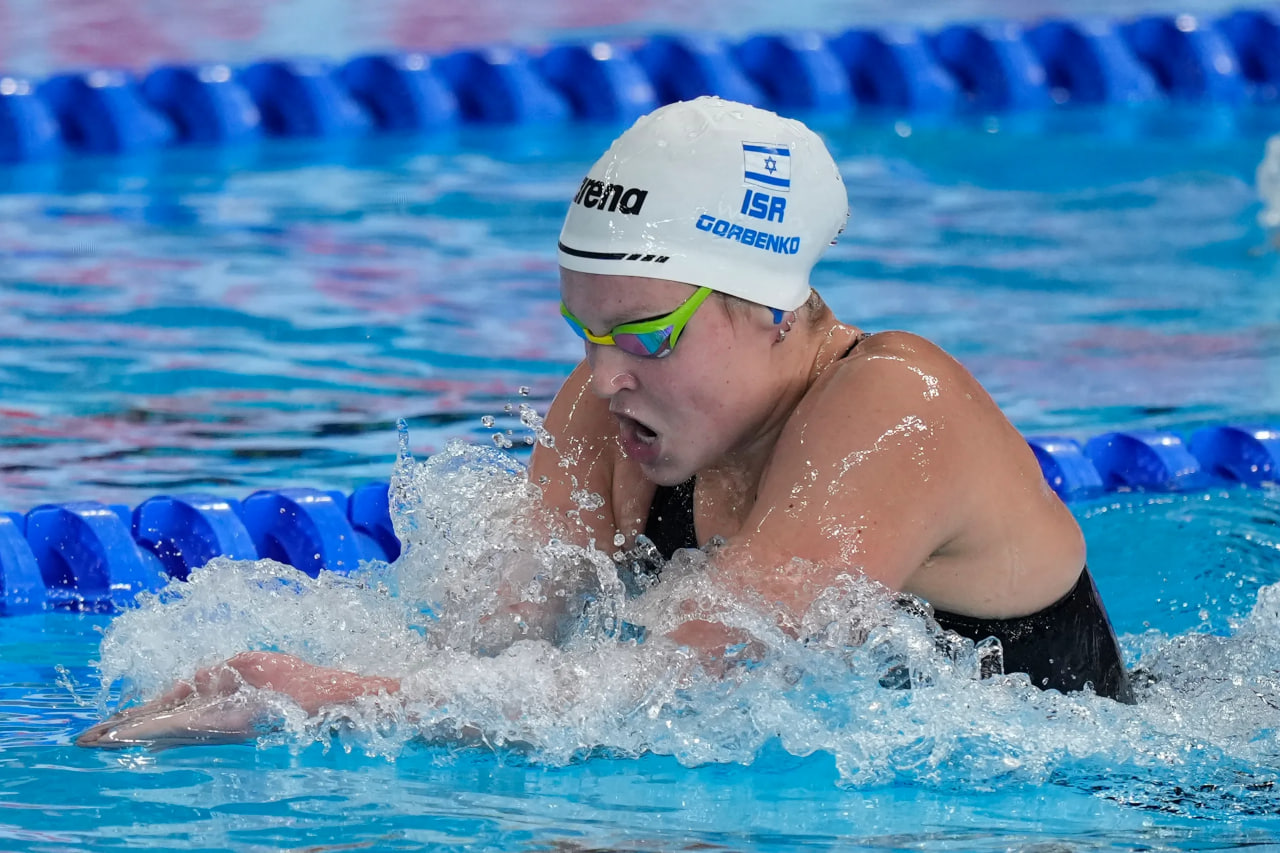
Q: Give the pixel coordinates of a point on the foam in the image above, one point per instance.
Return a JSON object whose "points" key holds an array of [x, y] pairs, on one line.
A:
{"points": [[577, 685]]}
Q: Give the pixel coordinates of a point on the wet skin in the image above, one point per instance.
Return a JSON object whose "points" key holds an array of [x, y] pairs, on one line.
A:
{"points": [[891, 461]]}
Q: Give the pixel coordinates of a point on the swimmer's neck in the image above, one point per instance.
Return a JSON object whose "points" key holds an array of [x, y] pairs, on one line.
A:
{"points": [[805, 356]]}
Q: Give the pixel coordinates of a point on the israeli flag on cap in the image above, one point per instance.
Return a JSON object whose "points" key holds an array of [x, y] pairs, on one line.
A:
{"points": [[767, 165]]}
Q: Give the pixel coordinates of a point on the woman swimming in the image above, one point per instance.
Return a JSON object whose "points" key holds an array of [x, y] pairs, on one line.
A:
{"points": [[720, 400]]}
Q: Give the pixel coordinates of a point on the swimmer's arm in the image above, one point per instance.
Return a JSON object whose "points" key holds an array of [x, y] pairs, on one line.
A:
{"points": [[214, 708], [576, 478], [586, 460], [863, 479]]}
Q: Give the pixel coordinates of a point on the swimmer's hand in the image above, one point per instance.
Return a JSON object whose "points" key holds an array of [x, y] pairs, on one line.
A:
{"points": [[215, 708]]}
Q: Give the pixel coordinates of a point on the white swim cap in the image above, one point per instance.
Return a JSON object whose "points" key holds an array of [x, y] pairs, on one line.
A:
{"points": [[710, 192]]}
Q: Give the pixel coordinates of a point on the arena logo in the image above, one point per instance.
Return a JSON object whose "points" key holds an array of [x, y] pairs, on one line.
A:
{"points": [[610, 197]]}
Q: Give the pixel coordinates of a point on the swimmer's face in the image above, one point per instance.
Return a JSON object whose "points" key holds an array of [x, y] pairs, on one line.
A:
{"points": [[705, 400]]}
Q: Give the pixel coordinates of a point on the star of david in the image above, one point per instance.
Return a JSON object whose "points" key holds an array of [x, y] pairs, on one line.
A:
{"points": [[770, 165]]}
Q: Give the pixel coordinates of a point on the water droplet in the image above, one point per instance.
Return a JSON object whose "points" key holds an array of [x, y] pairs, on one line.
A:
{"points": [[586, 500], [619, 540], [402, 438], [546, 439], [488, 421], [524, 390], [507, 408]]}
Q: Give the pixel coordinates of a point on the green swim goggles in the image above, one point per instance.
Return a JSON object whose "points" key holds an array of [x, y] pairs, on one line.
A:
{"points": [[653, 338]]}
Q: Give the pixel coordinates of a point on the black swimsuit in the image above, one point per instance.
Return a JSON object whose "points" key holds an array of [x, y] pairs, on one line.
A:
{"points": [[1065, 646]]}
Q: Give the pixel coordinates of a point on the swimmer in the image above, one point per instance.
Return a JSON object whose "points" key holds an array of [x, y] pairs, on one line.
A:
{"points": [[720, 400]]}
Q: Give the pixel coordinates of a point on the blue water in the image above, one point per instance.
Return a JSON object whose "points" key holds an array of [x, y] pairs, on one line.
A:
{"points": [[243, 319], [232, 320]]}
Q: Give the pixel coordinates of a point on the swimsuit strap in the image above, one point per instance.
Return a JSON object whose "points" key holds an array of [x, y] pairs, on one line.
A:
{"points": [[670, 525], [862, 336]]}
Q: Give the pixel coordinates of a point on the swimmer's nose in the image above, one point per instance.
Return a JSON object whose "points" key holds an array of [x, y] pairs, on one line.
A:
{"points": [[610, 370]]}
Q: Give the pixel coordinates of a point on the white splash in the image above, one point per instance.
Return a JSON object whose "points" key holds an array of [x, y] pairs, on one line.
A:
{"points": [[579, 681], [1268, 179]]}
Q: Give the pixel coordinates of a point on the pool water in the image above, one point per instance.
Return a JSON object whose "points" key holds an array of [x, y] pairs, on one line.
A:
{"points": [[237, 319]]}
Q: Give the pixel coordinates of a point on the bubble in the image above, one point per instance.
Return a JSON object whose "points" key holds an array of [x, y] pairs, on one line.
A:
{"points": [[619, 540]]}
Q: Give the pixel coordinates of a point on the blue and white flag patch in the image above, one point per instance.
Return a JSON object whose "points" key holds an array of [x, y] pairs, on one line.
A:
{"points": [[767, 165]]}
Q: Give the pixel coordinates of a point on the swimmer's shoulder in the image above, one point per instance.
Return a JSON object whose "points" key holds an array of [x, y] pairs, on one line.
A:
{"points": [[899, 383], [892, 363], [904, 347], [889, 392]]}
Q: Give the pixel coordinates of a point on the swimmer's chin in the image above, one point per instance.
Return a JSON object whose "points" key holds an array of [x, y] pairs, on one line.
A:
{"points": [[663, 473]]}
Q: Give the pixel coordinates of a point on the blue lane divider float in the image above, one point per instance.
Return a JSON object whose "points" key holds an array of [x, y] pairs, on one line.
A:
{"points": [[796, 71], [103, 112], [205, 103], [895, 68], [601, 82], [402, 92], [21, 584], [501, 85], [89, 556], [1191, 61], [1089, 62], [305, 528], [187, 531], [995, 67], [28, 130], [1250, 455], [88, 559], [1066, 468], [988, 67], [682, 67], [1158, 461], [303, 98], [1255, 38]]}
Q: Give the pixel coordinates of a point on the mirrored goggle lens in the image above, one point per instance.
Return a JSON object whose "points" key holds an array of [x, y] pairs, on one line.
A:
{"points": [[573, 324], [654, 344]]}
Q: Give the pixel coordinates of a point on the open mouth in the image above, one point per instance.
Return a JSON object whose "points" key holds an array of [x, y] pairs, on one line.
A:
{"points": [[634, 431], [646, 435]]}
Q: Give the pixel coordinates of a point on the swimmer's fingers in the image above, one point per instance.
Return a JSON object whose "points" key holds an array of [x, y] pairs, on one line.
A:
{"points": [[219, 680], [197, 721], [174, 697]]}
